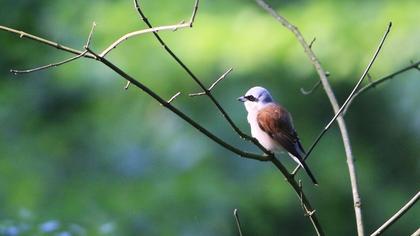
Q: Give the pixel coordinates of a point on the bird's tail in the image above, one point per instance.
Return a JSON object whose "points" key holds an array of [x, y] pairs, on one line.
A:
{"points": [[306, 168], [308, 171]]}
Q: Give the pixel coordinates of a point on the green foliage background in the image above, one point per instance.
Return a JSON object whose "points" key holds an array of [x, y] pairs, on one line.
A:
{"points": [[81, 156]]}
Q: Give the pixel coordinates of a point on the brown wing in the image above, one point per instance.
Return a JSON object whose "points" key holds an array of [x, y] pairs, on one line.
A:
{"points": [[277, 123]]}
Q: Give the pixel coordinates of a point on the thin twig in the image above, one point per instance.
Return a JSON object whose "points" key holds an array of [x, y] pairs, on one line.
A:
{"points": [[373, 84], [349, 96], [369, 77], [364, 74], [127, 85], [315, 86], [333, 100], [305, 209], [307, 92], [214, 84], [397, 215], [49, 65], [58, 63], [38, 39], [90, 35], [182, 22], [238, 222], [173, 97], [140, 32], [192, 19], [301, 196], [312, 42]]}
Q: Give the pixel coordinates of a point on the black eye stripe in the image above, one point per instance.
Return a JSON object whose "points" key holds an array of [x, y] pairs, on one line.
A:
{"points": [[250, 98]]}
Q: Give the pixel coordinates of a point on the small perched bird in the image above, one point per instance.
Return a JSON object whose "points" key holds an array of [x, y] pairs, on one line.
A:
{"points": [[272, 125]]}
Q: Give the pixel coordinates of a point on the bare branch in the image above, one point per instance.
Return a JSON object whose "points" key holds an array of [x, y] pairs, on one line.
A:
{"points": [[314, 87], [238, 222], [312, 42], [194, 12], [302, 197], [373, 84], [305, 209], [58, 63], [49, 65], [307, 92], [90, 35], [173, 97], [333, 100], [369, 77], [300, 194], [349, 97], [363, 75], [140, 32], [127, 85], [397, 215], [44, 41], [214, 84]]}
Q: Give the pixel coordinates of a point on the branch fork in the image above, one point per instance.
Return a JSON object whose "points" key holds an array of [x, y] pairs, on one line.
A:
{"points": [[213, 85]]}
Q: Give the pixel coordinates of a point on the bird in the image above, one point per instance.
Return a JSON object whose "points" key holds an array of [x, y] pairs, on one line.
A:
{"points": [[272, 125]]}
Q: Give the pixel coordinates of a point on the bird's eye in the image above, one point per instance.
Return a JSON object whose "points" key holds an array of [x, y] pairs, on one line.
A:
{"points": [[250, 98]]}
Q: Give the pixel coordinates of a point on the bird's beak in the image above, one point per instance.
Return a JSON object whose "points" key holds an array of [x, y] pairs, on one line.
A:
{"points": [[242, 99]]}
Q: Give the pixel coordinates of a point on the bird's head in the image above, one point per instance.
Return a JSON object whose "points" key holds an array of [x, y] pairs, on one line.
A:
{"points": [[256, 98]]}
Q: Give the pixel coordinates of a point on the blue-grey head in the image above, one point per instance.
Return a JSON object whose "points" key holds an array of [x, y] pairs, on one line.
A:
{"points": [[256, 98]]}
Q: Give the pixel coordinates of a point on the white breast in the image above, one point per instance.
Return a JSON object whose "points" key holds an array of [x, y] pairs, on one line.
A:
{"points": [[260, 135]]}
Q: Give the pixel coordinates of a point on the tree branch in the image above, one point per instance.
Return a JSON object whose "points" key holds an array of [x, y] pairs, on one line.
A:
{"points": [[214, 84], [333, 100], [140, 32], [328, 126], [311, 90], [373, 84], [173, 97], [397, 215], [238, 222], [49, 65], [59, 63], [44, 41], [302, 197]]}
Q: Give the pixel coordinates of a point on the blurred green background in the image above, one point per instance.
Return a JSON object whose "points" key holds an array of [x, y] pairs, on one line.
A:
{"points": [[79, 155]]}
